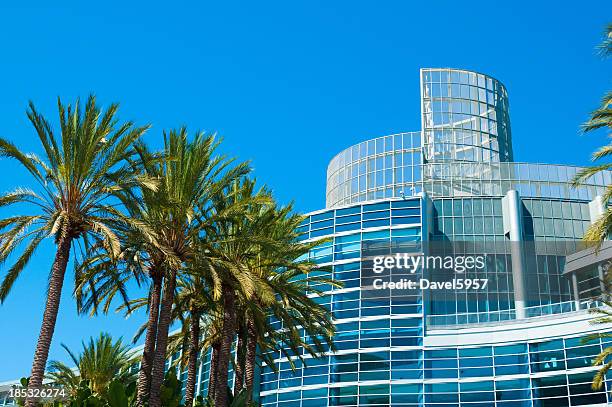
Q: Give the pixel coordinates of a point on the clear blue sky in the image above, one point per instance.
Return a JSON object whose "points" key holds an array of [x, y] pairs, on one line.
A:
{"points": [[287, 84]]}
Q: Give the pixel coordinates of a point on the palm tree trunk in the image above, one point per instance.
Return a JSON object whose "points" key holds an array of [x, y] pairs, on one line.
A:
{"points": [[239, 371], [251, 349], [159, 360], [144, 375], [54, 294], [212, 370], [192, 364], [227, 337]]}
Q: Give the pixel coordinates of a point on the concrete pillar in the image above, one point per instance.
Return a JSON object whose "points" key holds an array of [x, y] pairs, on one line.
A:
{"points": [[575, 289], [513, 227], [602, 278]]}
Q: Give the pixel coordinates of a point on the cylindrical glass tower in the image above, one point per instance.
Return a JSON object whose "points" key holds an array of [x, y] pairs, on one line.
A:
{"points": [[464, 117]]}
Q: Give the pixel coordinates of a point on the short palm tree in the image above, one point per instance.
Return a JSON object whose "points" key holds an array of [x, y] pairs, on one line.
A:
{"points": [[603, 315], [101, 361], [69, 201]]}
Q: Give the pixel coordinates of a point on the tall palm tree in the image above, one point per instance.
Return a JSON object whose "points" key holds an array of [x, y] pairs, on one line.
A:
{"points": [[295, 283], [102, 277], [142, 259], [101, 361], [257, 256], [230, 246], [165, 230], [601, 118], [191, 176], [70, 199]]}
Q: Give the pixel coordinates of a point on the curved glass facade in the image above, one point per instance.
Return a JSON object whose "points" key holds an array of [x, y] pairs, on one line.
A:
{"points": [[496, 179], [463, 148], [452, 182], [407, 352], [376, 169]]}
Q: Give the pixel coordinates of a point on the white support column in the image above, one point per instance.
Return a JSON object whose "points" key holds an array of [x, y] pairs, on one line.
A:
{"points": [[575, 289], [513, 227], [596, 208]]}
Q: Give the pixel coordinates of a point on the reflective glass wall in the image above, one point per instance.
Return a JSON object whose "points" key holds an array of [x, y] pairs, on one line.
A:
{"points": [[375, 169], [383, 356], [464, 117]]}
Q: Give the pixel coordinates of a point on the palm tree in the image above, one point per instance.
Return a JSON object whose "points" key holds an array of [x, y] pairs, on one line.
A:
{"points": [[142, 259], [256, 255], [101, 361], [230, 246], [165, 231], [599, 230], [295, 283], [101, 277], [190, 177], [601, 118], [70, 199], [197, 313]]}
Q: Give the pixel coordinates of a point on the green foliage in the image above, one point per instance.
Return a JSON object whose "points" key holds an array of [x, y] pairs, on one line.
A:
{"points": [[601, 229], [600, 118], [73, 183], [118, 395], [171, 390], [239, 400], [85, 397], [100, 362], [24, 381]]}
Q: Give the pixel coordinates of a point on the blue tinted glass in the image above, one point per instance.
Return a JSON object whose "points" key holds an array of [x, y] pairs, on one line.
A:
{"points": [[545, 346], [376, 207], [322, 216], [322, 232], [510, 349], [322, 224], [407, 212], [348, 211], [379, 234], [413, 231], [376, 223], [406, 220], [409, 203], [347, 227], [375, 215], [348, 219]]}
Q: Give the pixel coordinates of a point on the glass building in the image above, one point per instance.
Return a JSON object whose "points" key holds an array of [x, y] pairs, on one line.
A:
{"points": [[524, 341], [519, 343]]}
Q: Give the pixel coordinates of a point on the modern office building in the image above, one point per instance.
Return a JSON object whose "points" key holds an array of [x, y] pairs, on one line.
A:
{"points": [[518, 343]]}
